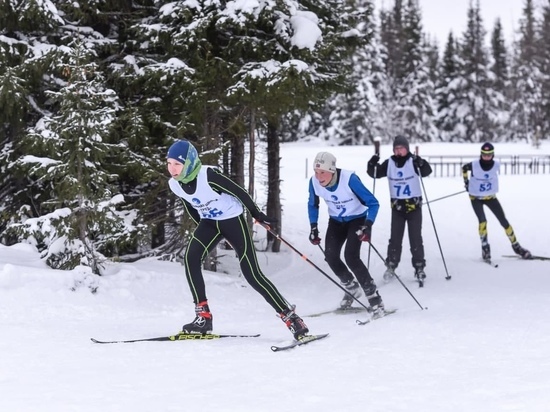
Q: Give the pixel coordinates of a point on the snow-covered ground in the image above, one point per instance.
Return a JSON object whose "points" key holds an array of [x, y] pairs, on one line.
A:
{"points": [[483, 344]]}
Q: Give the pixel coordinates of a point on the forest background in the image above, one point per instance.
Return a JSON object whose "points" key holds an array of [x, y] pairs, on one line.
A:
{"points": [[93, 93]]}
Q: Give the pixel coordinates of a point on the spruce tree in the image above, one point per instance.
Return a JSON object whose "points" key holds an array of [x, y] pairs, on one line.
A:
{"points": [[71, 149], [499, 84], [527, 79], [447, 89], [472, 106], [416, 108], [543, 40]]}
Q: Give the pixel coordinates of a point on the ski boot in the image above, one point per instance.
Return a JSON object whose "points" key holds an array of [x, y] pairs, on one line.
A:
{"points": [[353, 291], [294, 323], [524, 253], [420, 274], [202, 324], [389, 274], [486, 252], [375, 300]]}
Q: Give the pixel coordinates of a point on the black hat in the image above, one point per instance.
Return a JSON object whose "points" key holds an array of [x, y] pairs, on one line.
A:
{"points": [[401, 141], [487, 149]]}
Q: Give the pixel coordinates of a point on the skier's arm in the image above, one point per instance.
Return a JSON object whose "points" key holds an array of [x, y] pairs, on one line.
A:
{"points": [[191, 211], [465, 169], [312, 204], [224, 184], [376, 170], [425, 169]]}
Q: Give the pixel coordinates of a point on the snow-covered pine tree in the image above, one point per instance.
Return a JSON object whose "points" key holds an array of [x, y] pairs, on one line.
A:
{"points": [[24, 62], [544, 62], [243, 62], [68, 154], [499, 84], [415, 111], [526, 79], [349, 114], [447, 88], [472, 105]]}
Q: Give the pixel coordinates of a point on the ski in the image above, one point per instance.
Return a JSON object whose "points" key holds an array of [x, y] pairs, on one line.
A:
{"points": [[386, 313], [529, 258], [340, 311], [178, 337], [303, 341]]}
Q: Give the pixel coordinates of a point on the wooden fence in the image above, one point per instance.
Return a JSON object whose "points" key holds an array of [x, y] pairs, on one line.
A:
{"points": [[451, 166]]}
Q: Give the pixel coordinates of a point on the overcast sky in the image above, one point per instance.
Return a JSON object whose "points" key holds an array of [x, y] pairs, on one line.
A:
{"points": [[441, 16]]}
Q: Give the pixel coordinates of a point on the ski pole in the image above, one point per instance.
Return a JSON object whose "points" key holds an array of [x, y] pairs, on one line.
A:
{"points": [[277, 236], [448, 277], [399, 279], [444, 197]]}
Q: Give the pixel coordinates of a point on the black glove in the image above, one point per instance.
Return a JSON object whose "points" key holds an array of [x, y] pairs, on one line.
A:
{"points": [[264, 220], [314, 235], [418, 162], [364, 233], [374, 160], [466, 183]]}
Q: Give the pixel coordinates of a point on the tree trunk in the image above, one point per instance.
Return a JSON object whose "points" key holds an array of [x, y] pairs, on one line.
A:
{"points": [[251, 162], [273, 182]]}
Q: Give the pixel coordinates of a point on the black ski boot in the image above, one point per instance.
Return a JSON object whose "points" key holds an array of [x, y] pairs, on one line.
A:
{"points": [[202, 324], [420, 274], [486, 252], [375, 300], [524, 253], [294, 323], [353, 291]]}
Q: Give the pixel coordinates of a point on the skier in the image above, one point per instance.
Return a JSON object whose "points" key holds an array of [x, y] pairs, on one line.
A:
{"points": [[352, 211], [483, 187], [216, 203], [403, 171]]}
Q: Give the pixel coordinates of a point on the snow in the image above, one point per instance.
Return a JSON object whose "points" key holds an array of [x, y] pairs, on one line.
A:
{"points": [[306, 30], [482, 344]]}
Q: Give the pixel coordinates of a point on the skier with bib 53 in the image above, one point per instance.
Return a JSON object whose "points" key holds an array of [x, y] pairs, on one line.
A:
{"points": [[482, 185]]}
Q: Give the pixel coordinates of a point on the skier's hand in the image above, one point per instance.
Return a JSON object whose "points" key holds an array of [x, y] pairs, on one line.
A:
{"points": [[364, 233], [466, 183], [418, 162], [374, 160], [265, 220], [314, 235]]}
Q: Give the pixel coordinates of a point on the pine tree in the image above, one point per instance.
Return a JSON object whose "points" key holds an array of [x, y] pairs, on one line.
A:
{"points": [[350, 114], [447, 89], [70, 149], [229, 70], [416, 108], [527, 79], [472, 106], [543, 51], [499, 84]]}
